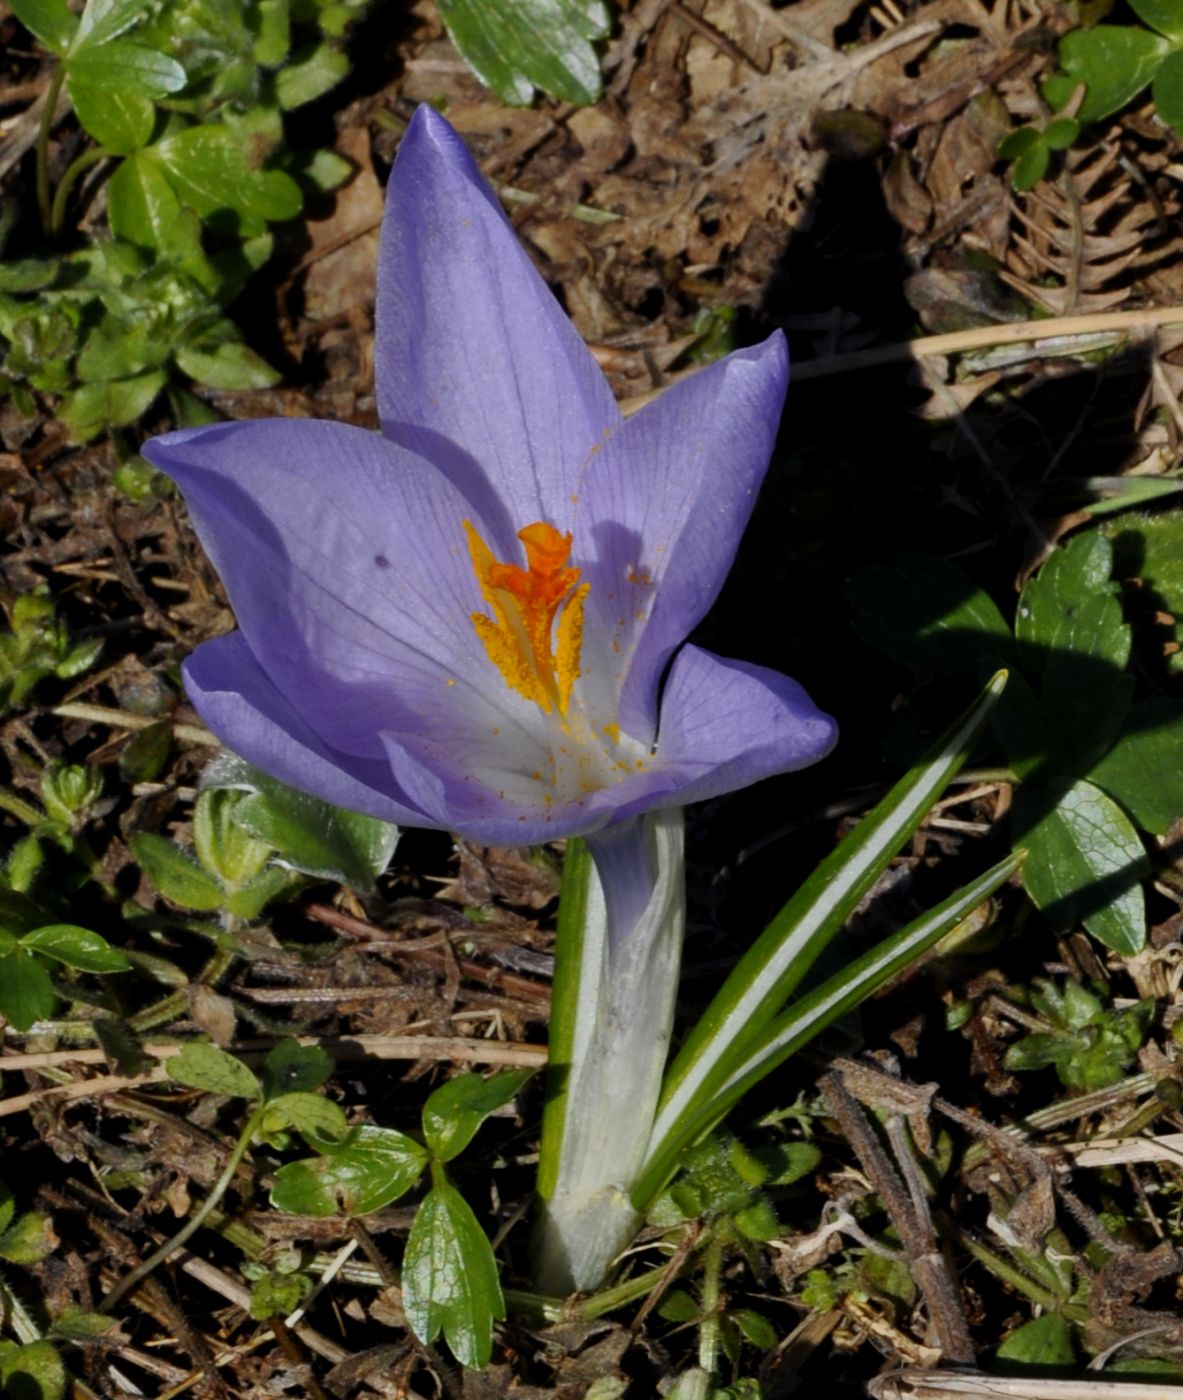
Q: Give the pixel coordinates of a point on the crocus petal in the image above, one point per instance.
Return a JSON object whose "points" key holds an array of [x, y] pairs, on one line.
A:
{"points": [[345, 559], [236, 700], [725, 724], [665, 505], [477, 366]]}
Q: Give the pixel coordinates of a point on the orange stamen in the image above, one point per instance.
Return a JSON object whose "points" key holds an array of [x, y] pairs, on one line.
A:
{"points": [[525, 603]]}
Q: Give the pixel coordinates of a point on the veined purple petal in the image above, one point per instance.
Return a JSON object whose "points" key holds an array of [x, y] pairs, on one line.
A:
{"points": [[231, 692], [725, 724], [346, 562], [662, 511], [477, 366]]}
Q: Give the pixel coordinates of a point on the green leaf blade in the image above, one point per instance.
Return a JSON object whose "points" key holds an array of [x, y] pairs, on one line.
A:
{"points": [[450, 1281], [927, 612], [1143, 771], [120, 121], [308, 835], [76, 947], [51, 21], [210, 172], [124, 67], [373, 1167], [1168, 90], [514, 49], [1074, 645], [1164, 15], [26, 992], [454, 1111], [203, 1066], [142, 206], [1114, 62], [1086, 863], [177, 878]]}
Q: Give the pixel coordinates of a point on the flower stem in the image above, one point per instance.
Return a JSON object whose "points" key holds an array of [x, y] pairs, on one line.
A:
{"points": [[196, 1220], [620, 954], [61, 196], [43, 133]]}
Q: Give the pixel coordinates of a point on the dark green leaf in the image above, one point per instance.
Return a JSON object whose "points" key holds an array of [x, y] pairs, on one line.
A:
{"points": [[756, 1328], [455, 1110], [28, 274], [311, 1115], [104, 20], [29, 1240], [291, 1067], [177, 877], [1017, 143], [1168, 90], [1060, 134], [1030, 167], [1086, 862], [120, 121], [323, 170], [1043, 1344], [230, 853], [33, 1372], [514, 49], [790, 1161], [7, 1207], [228, 365], [48, 20], [450, 1279], [18, 913], [277, 1295], [1074, 647], [93, 408], [117, 350], [1144, 768], [26, 993], [144, 757], [211, 172], [926, 612], [76, 947], [74, 1325], [1164, 15], [142, 205], [271, 45], [121, 66], [248, 901], [309, 74], [203, 1066], [373, 1167], [309, 835], [1114, 62]]}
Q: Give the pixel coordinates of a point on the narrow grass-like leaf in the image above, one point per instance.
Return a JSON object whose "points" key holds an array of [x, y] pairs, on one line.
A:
{"points": [[766, 977], [803, 1021]]}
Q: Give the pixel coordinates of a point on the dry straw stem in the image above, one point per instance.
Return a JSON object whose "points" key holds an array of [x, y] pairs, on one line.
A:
{"points": [[986, 337], [917, 1384], [353, 1047]]}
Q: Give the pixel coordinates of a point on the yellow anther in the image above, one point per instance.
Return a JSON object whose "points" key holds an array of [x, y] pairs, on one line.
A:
{"points": [[525, 604]]}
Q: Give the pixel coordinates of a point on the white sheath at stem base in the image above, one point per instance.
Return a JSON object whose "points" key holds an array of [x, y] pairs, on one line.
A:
{"points": [[630, 959]]}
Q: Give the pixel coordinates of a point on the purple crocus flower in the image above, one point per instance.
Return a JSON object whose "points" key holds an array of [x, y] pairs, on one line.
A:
{"points": [[476, 618]]}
